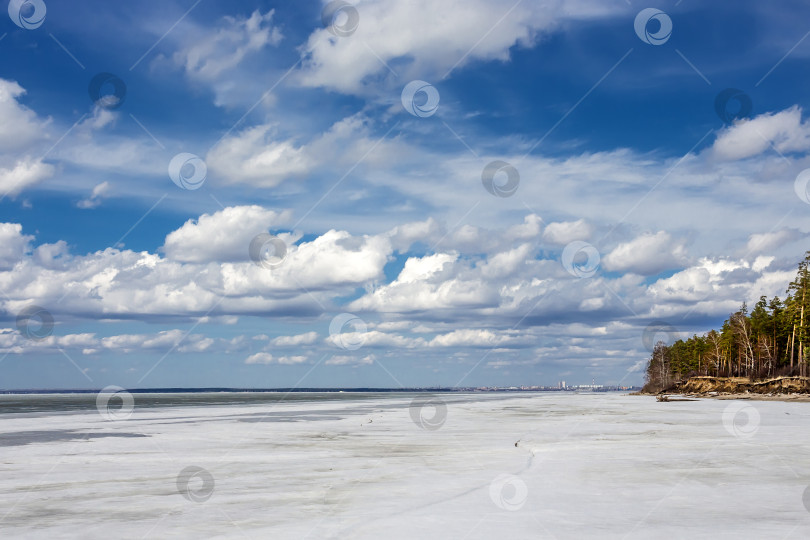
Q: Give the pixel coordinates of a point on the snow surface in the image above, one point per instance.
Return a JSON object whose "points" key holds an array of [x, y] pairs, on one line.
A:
{"points": [[585, 466]]}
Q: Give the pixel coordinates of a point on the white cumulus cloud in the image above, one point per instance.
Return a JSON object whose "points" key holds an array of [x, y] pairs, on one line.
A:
{"points": [[647, 254], [222, 236], [785, 130]]}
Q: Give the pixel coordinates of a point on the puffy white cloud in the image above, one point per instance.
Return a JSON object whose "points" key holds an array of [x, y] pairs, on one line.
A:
{"points": [[21, 130], [392, 325], [692, 284], [254, 156], [403, 236], [54, 256], [427, 283], [528, 230], [267, 358], [344, 360], [473, 338], [163, 340], [764, 242], [375, 338], [647, 254], [506, 263], [472, 239], [421, 268], [23, 174], [337, 257], [307, 338], [565, 232], [222, 236], [13, 244], [785, 130]]}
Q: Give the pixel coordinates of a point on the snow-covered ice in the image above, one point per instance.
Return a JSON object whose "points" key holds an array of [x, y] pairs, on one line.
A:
{"points": [[584, 466]]}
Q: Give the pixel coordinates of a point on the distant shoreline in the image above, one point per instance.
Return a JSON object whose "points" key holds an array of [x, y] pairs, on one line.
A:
{"points": [[443, 390], [724, 388]]}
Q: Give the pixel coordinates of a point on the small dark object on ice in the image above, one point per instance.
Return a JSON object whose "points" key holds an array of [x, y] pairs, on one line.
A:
{"points": [[665, 398]]}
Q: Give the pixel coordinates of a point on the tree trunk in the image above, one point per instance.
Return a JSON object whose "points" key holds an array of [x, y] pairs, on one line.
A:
{"points": [[792, 343], [801, 339]]}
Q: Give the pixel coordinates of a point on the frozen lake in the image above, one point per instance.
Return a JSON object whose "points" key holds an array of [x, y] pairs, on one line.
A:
{"points": [[381, 466]]}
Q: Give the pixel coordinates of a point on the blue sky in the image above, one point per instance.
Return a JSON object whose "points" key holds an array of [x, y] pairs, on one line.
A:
{"points": [[637, 206]]}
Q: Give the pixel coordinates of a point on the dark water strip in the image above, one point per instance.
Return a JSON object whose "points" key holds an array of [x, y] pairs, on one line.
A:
{"points": [[77, 402]]}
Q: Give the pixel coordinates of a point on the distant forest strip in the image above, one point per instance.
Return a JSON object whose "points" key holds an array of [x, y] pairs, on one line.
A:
{"points": [[767, 342]]}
